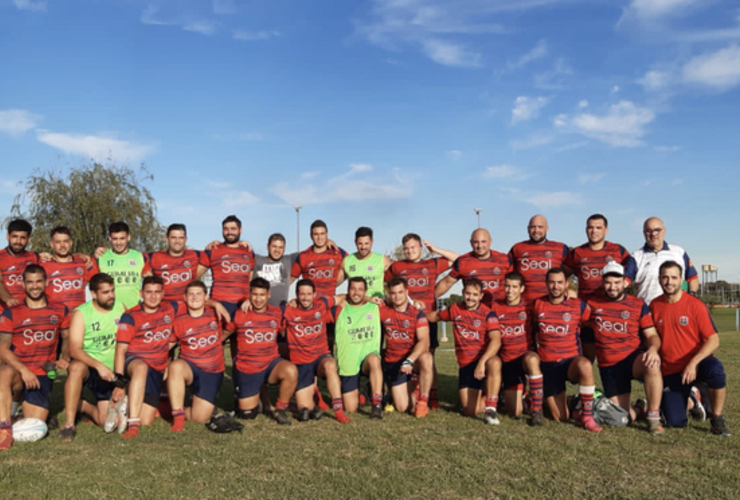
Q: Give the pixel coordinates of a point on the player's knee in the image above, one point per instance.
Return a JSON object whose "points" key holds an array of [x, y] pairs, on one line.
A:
{"points": [[138, 369], [426, 361], [290, 372], [373, 361], [532, 361], [493, 364], [76, 369], [330, 367]]}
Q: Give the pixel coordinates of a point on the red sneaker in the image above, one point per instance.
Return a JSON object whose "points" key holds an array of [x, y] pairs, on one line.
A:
{"points": [[131, 433], [342, 417], [6, 439], [422, 409], [590, 424]]}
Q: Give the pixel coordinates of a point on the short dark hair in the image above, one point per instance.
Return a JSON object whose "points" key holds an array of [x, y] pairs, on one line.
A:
{"points": [[474, 282], [669, 264], [305, 282], [259, 283], [34, 269], [196, 284], [177, 227], [275, 236], [514, 275], [397, 280], [318, 223], [363, 231], [356, 279], [232, 218], [118, 227], [411, 236], [20, 226], [100, 279], [598, 217], [554, 270], [152, 280], [60, 230]]}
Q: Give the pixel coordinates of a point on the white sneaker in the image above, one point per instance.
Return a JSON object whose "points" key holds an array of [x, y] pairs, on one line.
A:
{"points": [[491, 417], [122, 411], [111, 418]]}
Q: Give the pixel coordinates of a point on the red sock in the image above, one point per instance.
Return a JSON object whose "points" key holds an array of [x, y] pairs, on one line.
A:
{"points": [[282, 405], [434, 399], [587, 401], [377, 399], [536, 391], [178, 417], [423, 398], [133, 429], [491, 402]]}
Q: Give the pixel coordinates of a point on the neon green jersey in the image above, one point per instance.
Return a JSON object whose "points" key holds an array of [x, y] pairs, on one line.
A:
{"points": [[358, 335], [372, 268], [126, 270], [100, 331]]}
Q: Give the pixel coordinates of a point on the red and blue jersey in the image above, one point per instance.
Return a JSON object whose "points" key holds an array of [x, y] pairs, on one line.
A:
{"points": [[471, 330], [67, 281], [306, 330], [232, 269], [533, 261], [421, 277], [587, 265], [176, 272], [12, 267], [35, 333], [490, 271], [148, 335], [516, 329], [399, 329], [557, 328], [321, 268], [617, 325], [200, 340], [256, 338]]}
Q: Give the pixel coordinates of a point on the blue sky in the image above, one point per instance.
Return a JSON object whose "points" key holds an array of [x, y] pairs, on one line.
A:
{"points": [[403, 115]]}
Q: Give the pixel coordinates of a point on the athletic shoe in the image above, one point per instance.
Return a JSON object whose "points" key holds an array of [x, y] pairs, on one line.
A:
{"points": [[342, 417], [316, 413], [111, 418], [491, 417], [6, 439], [538, 420], [131, 433], [640, 409], [319, 401], [52, 423], [719, 426], [376, 413], [590, 424], [434, 404], [654, 427], [122, 410], [67, 434], [389, 408], [303, 415], [422, 409], [281, 418], [698, 413]]}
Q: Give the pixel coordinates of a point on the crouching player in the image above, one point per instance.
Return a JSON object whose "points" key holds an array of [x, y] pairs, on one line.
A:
{"points": [[29, 337], [517, 349], [200, 366], [617, 320], [406, 331], [477, 341], [257, 361]]}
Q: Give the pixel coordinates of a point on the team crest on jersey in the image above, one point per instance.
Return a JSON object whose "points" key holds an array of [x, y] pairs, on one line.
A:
{"points": [[548, 254], [331, 262], [371, 268], [625, 315], [116, 321], [132, 262], [425, 271], [566, 317], [54, 319], [684, 320], [496, 270], [406, 324], [167, 319], [79, 271], [213, 325], [369, 316], [352, 268], [317, 315], [522, 316], [186, 263], [609, 258], [476, 322], [272, 323]]}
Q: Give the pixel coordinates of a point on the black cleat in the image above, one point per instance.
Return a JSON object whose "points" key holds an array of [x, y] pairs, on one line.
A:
{"points": [[719, 426], [67, 434], [377, 413], [538, 420], [281, 418], [316, 413], [303, 415]]}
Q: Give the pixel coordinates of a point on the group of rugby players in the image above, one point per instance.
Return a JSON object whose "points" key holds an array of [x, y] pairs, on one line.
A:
{"points": [[519, 323]]}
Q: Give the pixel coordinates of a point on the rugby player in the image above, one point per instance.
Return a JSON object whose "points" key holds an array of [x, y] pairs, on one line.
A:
{"points": [[688, 341], [257, 361], [177, 265], [365, 263], [406, 332], [13, 260], [92, 347], [276, 267], [199, 333], [477, 341], [517, 353], [68, 273], [125, 265], [557, 324], [29, 336], [534, 257], [617, 320]]}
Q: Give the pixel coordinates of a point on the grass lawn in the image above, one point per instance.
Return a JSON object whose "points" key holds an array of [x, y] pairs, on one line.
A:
{"points": [[441, 456]]}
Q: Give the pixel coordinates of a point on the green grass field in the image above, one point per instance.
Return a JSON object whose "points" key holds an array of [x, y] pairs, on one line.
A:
{"points": [[441, 456]]}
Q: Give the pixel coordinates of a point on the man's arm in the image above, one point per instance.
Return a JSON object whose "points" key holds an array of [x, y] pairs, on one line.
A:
{"points": [[694, 286], [710, 345], [447, 254], [5, 295], [494, 344], [200, 271], [63, 361], [30, 380], [76, 338], [444, 285], [386, 262], [432, 316], [652, 339]]}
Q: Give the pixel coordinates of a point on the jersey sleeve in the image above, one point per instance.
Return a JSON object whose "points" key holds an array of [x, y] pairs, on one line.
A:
{"points": [[455, 272], [441, 265], [388, 273], [296, 270], [630, 268], [147, 265], [445, 315], [95, 267], [205, 258], [646, 319], [66, 319], [125, 329], [707, 328], [690, 273], [492, 322], [421, 319], [6, 322], [570, 260], [585, 312]]}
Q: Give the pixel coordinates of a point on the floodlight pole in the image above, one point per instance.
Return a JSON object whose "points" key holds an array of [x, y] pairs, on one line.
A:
{"points": [[298, 227], [477, 213]]}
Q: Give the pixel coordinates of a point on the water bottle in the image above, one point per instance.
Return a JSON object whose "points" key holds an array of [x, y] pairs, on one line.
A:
{"points": [[51, 370]]}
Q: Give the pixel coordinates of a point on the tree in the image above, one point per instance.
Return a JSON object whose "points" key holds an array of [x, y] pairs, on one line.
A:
{"points": [[87, 201]]}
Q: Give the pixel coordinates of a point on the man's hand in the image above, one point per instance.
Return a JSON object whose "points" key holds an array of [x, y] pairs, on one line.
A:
{"points": [[429, 246], [376, 300], [246, 306], [12, 302], [62, 364], [419, 305], [118, 394], [407, 367], [221, 313], [30, 380], [45, 257], [213, 244], [106, 374], [480, 371], [99, 252], [651, 358], [689, 374]]}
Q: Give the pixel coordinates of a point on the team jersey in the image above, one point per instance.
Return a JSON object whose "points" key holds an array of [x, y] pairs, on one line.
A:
{"points": [[421, 277], [617, 325], [176, 272], [321, 268], [67, 281], [12, 267], [126, 270], [683, 328], [306, 330], [399, 329], [200, 340], [557, 328], [372, 268], [471, 330], [100, 331], [357, 336], [587, 265], [148, 335], [35, 333], [232, 269], [647, 269], [516, 329], [256, 341], [533, 261], [490, 271]]}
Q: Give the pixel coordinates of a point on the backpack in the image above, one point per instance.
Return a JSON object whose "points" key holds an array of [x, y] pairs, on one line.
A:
{"points": [[606, 412]]}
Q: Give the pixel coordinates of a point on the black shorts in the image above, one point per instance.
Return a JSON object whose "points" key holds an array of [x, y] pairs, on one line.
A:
{"points": [[247, 385], [554, 376], [101, 389], [308, 371], [153, 389], [676, 395], [466, 379], [40, 397], [513, 374], [617, 379], [392, 373], [433, 335], [205, 384]]}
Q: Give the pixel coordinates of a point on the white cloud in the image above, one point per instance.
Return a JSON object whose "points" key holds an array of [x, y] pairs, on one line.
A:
{"points": [[538, 52], [615, 89], [10, 187], [667, 149], [583, 103], [532, 141], [719, 70], [555, 78], [525, 108], [150, 16], [505, 171], [454, 154], [623, 125], [249, 36], [239, 198], [30, 5], [204, 27], [590, 178], [647, 10], [224, 7], [552, 199], [571, 146], [657, 80], [450, 54], [16, 122], [96, 147]]}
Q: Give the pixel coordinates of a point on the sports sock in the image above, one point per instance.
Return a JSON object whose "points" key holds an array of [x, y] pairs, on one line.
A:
{"points": [[337, 405], [424, 398], [434, 398], [133, 429], [587, 400], [6, 425], [535, 391], [491, 402], [178, 417], [318, 399], [653, 415], [377, 399], [282, 405]]}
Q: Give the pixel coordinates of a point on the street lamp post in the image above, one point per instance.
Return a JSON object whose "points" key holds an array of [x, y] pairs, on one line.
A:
{"points": [[477, 212], [298, 227]]}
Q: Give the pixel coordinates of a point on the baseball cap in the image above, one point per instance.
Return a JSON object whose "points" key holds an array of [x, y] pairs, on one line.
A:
{"points": [[613, 268]]}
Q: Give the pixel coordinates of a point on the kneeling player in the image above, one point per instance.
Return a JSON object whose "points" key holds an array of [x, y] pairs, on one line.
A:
{"points": [[29, 336], [617, 319], [257, 361], [406, 332], [558, 320], [477, 341], [200, 366]]}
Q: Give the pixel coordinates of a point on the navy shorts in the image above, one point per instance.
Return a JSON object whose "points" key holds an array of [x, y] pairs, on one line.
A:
{"points": [[433, 335], [307, 372], [153, 382], [554, 376], [513, 374], [351, 383], [40, 397], [466, 380], [205, 384], [676, 395], [101, 389], [247, 385], [617, 379], [231, 308], [392, 373]]}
